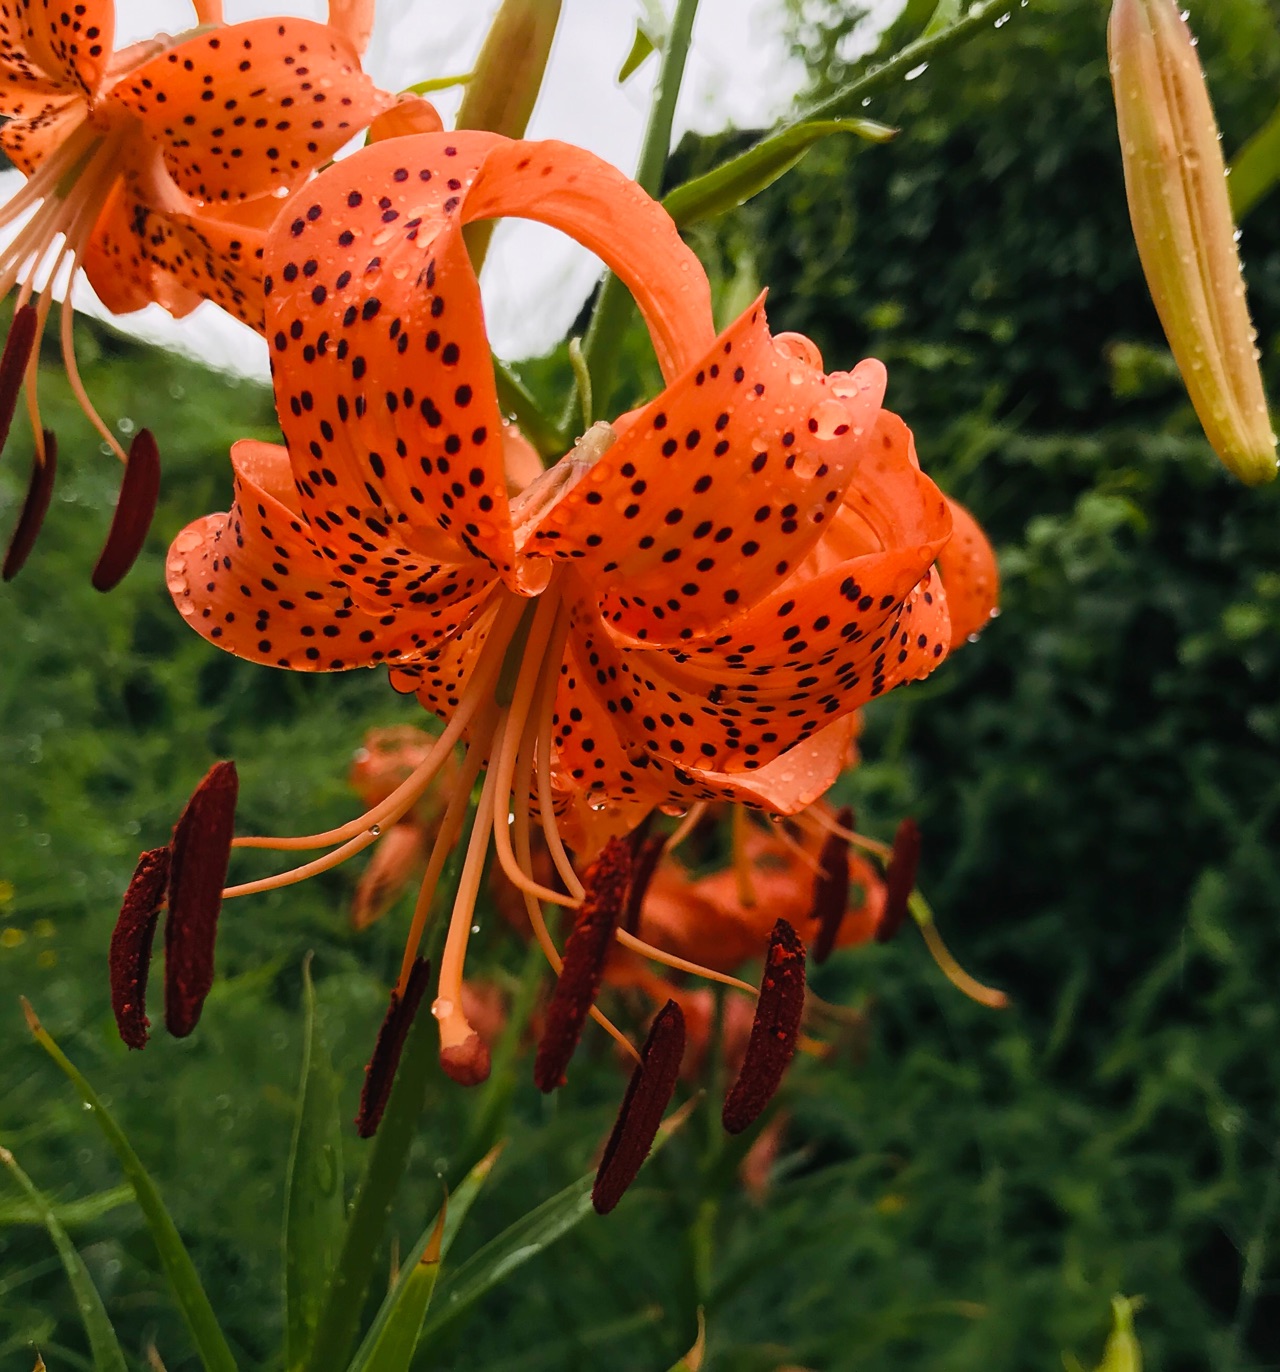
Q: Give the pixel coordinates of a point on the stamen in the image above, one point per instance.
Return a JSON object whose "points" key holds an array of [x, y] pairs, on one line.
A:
{"points": [[13, 364], [647, 950], [39, 491], [477, 694], [130, 957], [464, 1056], [545, 734], [201, 850], [831, 889], [899, 880], [687, 825], [773, 1032], [649, 1092], [381, 1070], [644, 863], [584, 956], [135, 507], [816, 822]]}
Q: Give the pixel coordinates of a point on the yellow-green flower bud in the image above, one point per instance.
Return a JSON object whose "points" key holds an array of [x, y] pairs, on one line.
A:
{"points": [[1175, 180]]}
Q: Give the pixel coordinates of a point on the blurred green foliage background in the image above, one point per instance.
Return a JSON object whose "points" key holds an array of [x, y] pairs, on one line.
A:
{"points": [[1096, 779]]}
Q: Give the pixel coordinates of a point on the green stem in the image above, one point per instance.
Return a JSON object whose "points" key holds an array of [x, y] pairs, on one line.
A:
{"points": [[515, 399], [923, 49], [609, 321]]}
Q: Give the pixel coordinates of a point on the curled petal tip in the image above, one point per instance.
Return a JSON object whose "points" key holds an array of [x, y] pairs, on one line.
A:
{"points": [[201, 851], [135, 508], [774, 1031], [648, 1094]]}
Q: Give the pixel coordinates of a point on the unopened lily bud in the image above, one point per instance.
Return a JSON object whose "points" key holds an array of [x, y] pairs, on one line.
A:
{"points": [[1175, 182]]}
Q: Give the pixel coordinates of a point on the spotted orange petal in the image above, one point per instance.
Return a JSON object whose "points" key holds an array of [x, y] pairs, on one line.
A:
{"points": [[250, 107], [39, 127], [970, 575], [381, 359], [719, 488], [256, 583], [47, 47]]}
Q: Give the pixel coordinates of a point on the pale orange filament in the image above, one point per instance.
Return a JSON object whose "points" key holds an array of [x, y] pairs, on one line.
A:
{"points": [[822, 823], [541, 649], [479, 690], [89, 162], [741, 861], [448, 834], [647, 950], [802, 854], [455, 1028], [546, 802]]}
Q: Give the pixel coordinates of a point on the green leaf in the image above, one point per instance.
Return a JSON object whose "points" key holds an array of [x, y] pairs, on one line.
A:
{"points": [[314, 1211], [69, 1213], [524, 1240], [184, 1281], [515, 399], [393, 1348], [107, 1356], [734, 182], [339, 1321], [1255, 169], [946, 13], [642, 45], [442, 1231]]}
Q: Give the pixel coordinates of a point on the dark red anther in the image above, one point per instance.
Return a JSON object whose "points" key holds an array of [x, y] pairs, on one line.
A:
{"points": [[899, 880], [130, 957], [135, 507], [648, 1094], [201, 851], [585, 951], [831, 888], [646, 855], [381, 1071], [13, 364], [773, 1032], [34, 508]]}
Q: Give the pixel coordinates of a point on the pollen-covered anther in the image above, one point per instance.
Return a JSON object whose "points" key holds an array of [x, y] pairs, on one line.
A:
{"points": [[647, 853], [899, 880], [201, 851], [464, 1056], [831, 887], [134, 511], [129, 960], [381, 1069], [13, 363], [34, 507], [774, 1030], [605, 885], [648, 1094]]}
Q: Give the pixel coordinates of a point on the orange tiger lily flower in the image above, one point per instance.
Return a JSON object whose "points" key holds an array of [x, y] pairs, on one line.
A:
{"points": [[688, 605], [158, 168]]}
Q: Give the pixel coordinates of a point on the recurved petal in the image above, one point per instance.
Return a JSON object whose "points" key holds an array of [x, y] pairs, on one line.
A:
{"points": [[256, 583], [46, 46], [39, 127], [251, 107], [719, 488], [970, 576]]}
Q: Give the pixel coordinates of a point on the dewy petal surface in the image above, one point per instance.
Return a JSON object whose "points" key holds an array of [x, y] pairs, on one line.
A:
{"points": [[381, 359], [47, 48], [250, 107]]}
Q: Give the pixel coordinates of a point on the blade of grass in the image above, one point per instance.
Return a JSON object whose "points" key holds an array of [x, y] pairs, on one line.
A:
{"points": [[68, 1213], [107, 1354], [314, 1209], [390, 1342], [184, 1281]]}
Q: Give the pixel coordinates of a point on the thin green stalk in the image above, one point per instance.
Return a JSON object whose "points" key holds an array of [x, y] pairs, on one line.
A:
{"points": [[924, 49], [515, 399], [609, 321]]}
